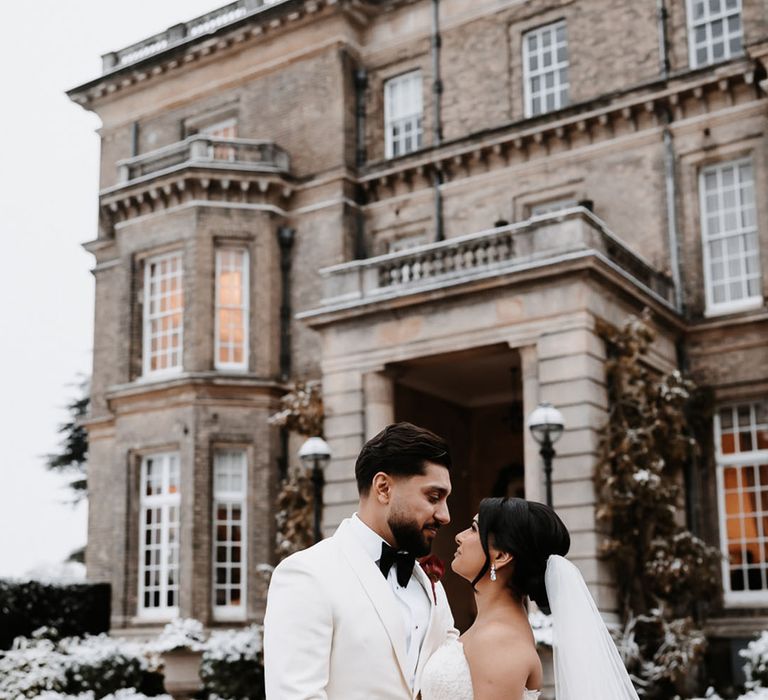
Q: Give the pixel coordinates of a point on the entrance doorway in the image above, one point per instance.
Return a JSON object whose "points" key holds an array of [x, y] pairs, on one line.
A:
{"points": [[474, 400]]}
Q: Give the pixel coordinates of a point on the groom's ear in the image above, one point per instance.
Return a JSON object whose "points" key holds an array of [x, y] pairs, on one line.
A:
{"points": [[381, 488]]}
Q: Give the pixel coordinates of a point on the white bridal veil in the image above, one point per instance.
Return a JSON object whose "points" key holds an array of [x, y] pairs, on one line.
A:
{"points": [[587, 663]]}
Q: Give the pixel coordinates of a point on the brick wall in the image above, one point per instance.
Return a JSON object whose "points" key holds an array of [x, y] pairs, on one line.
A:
{"points": [[294, 85]]}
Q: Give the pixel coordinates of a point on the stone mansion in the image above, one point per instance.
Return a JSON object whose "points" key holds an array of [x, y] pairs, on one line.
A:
{"points": [[430, 206]]}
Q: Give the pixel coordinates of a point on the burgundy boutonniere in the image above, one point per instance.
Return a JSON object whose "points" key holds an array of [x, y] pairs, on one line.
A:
{"points": [[434, 569]]}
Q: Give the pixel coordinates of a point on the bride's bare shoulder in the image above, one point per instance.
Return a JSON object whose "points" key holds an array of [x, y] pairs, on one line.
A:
{"points": [[502, 660]]}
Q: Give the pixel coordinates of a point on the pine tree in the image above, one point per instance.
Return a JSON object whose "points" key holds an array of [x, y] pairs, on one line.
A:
{"points": [[73, 455]]}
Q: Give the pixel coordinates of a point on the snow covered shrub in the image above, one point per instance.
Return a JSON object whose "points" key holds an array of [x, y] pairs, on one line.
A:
{"points": [[711, 694], [31, 668], [233, 664], [102, 665], [541, 624], [97, 665], [756, 667], [755, 694], [302, 412], [124, 694], [682, 567], [181, 633]]}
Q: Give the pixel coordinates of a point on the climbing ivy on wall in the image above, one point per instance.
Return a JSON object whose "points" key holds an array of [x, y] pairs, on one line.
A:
{"points": [[301, 412], [662, 569]]}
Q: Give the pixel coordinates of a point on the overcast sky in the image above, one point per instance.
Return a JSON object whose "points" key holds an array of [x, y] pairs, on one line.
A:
{"points": [[48, 201]]}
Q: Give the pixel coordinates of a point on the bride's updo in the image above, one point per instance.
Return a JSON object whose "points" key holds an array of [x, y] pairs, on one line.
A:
{"points": [[530, 532]]}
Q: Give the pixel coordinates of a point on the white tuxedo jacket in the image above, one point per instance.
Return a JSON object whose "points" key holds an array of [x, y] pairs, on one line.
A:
{"points": [[333, 629]]}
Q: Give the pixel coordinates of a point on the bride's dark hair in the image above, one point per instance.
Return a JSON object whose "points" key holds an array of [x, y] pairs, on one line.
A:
{"points": [[530, 532]]}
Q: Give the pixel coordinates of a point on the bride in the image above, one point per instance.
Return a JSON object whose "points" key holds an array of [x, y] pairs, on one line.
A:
{"points": [[514, 551]]}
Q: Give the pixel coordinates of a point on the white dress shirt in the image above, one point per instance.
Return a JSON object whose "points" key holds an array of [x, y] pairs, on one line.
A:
{"points": [[413, 599]]}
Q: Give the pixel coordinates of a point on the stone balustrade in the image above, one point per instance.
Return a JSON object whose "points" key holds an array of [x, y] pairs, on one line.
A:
{"points": [[179, 33], [202, 150], [543, 240]]}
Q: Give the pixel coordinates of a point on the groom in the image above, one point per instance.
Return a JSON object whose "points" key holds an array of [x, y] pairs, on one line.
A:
{"points": [[355, 617]]}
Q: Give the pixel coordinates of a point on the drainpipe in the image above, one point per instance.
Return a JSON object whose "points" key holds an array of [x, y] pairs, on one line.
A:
{"points": [[661, 22], [672, 233], [361, 252], [361, 155], [437, 96], [361, 84], [437, 83], [135, 138], [285, 238], [437, 181], [690, 468]]}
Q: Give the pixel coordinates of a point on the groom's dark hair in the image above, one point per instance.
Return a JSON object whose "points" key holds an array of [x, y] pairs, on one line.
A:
{"points": [[401, 449]]}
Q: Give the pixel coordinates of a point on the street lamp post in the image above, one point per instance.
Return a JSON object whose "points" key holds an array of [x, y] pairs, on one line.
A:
{"points": [[546, 426], [315, 455]]}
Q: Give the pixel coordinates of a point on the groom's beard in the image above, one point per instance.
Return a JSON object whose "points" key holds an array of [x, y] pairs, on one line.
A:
{"points": [[409, 536]]}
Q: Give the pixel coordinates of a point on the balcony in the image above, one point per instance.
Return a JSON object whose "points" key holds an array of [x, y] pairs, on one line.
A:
{"points": [[199, 168], [205, 151], [514, 251]]}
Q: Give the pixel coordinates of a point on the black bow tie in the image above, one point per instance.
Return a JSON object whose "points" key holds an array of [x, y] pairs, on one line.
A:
{"points": [[404, 562]]}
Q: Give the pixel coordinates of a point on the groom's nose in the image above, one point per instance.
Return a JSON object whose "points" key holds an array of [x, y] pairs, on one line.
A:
{"points": [[442, 515]]}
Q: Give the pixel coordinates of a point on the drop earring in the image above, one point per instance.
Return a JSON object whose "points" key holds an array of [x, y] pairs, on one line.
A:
{"points": [[493, 572]]}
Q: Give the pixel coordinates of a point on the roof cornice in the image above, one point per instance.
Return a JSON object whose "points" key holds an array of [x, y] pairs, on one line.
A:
{"points": [[641, 108], [227, 28]]}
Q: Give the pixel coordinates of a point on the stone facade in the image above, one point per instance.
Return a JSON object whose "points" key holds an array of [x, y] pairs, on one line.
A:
{"points": [[467, 333]]}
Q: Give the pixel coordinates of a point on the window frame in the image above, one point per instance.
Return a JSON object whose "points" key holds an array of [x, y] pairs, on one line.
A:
{"points": [[713, 308], [552, 206], [555, 68], [220, 152], [226, 613], [390, 120], [165, 501], [406, 242], [146, 359], [753, 458], [693, 24], [245, 308]]}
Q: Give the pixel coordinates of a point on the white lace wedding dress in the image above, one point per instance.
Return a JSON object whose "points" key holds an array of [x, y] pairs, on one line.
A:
{"points": [[446, 675]]}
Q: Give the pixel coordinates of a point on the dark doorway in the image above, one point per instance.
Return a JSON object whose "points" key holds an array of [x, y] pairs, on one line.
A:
{"points": [[474, 400]]}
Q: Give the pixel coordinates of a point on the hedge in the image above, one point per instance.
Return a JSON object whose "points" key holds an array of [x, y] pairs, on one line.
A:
{"points": [[72, 610]]}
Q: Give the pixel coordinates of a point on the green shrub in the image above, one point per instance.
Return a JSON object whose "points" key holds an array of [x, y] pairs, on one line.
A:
{"points": [[73, 610]]}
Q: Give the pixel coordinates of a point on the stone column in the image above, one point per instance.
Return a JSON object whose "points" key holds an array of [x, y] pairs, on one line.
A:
{"points": [[572, 378], [529, 362], [344, 403], [379, 392]]}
